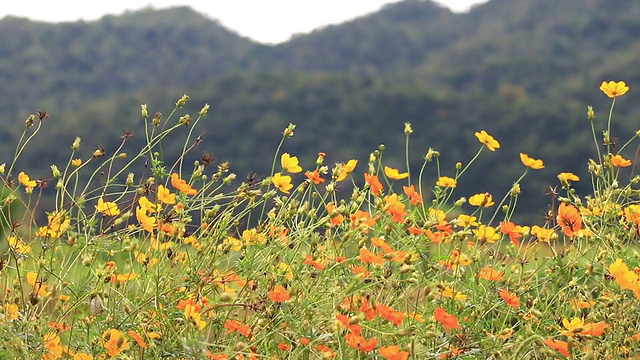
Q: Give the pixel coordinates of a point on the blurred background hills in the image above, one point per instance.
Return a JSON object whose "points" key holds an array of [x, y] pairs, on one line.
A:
{"points": [[524, 70]]}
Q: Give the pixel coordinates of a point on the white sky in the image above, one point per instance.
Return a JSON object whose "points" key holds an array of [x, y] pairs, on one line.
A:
{"points": [[269, 21]]}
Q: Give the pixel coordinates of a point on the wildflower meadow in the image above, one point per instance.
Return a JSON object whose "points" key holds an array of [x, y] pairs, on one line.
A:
{"points": [[141, 256]]}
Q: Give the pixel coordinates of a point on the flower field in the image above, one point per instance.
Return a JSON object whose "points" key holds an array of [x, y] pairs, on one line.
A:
{"points": [[139, 256]]}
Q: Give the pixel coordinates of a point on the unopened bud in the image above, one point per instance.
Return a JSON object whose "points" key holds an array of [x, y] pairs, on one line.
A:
{"points": [[183, 100], [204, 110], [143, 111], [408, 130]]}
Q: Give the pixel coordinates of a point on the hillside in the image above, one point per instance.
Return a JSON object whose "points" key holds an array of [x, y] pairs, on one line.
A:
{"points": [[524, 70]]}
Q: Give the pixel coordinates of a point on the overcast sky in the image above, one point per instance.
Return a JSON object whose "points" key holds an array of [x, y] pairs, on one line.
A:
{"points": [[269, 21]]}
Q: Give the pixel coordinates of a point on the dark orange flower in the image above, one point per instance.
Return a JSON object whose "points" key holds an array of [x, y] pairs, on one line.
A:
{"points": [[367, 256], [314, 176], [283, 346], [512, 300], [235, 325], [346, 322], [336, 217], [363, 220], [511, 230], [413, 195], [569, 219], [360, 343], [393, 352], [389, 313], [449, 321], [381, 244], [279, 294], [137, 338], [310, 261], [374, 183], [182, 185], [561, 346], [594, 329]]}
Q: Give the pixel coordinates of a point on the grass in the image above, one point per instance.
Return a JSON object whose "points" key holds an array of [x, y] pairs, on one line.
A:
{"points": [[142, 257]]}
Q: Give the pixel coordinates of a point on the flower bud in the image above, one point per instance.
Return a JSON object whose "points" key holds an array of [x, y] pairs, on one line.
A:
{"points": [[204, 110], [76, 144], [183, 100], [591, 115], [408, 130], [143, 111]]}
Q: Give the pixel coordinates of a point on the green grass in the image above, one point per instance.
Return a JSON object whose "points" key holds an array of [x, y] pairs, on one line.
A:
{"points": [[330, 265]]}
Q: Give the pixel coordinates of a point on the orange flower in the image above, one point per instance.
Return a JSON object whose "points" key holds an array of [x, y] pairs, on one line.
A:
{"points": [[346, 322], [314, 176], [614, 89], [336, 217], [488, 273], [389, 313], [308, 260], [114, 342], [449, 321], [52, 345], [414, 197], [181, 185], [395, 208], [283, 346], [360, 343], [235, 325], [513, 231], [137, 338], [594, 329], [561, 346], [393, 353], [374, 183], [512, 300], [535, 164], [367, 256], [279, 294], [619, 161], [381, 244], [569, 219]]}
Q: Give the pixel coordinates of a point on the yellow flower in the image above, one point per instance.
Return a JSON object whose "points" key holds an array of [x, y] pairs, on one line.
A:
{"points": [[147, 205], [614, 89], [18, 245], [565, 177], [108, 208], [481, 200], [465, 220], [445, 181], [346, 169], [39, 287], [456, 295], [11, 312], [165, 195], [575, 325], [147, 222], [535, 164], [58, 224], [26, 181], [282, 182], [395, 174], [487, 233], [488, 140], [252, 236], [290, 163], [76, 162]]}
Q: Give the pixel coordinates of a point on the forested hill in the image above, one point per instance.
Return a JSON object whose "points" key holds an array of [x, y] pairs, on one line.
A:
{"points": [[524, 70]]}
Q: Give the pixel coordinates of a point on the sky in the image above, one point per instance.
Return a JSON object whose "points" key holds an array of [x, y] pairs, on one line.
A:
{"points": [[267, 21]]}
